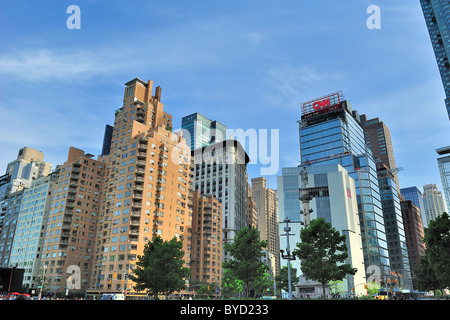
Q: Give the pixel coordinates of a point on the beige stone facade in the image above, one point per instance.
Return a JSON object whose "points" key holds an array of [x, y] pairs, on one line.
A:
{"points": [[72, 221], [146, 188], [206, 254]]}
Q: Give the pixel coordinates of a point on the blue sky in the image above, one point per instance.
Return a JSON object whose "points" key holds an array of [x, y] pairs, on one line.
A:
{"points": [[248, 64]]}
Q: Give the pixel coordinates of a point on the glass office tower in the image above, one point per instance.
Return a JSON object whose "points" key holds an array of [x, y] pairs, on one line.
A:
{"points": [[437, 18], [330, 133], [202, 131], [395, 229]]}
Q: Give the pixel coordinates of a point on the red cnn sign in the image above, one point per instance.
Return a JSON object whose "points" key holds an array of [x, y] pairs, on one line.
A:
{"points": [[321, 104]]}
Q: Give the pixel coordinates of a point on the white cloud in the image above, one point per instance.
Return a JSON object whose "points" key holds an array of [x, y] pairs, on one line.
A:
{"points": [[294, 84], [45, 64]]}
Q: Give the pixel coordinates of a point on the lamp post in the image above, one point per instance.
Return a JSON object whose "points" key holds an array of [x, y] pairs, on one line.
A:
{"points": [[289, 256], [42, 282]]}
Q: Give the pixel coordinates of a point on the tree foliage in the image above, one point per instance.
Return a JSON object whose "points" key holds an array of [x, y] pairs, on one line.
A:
{"points": [[282, 281], [434, 271], [263, 284], [161, 267], [246, 252], [322, 252], [231, 285]]}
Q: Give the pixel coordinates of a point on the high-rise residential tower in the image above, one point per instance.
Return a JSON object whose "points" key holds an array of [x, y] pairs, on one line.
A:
{"points": [[31, 223], [11, 209], [202, 131], [74, 211], [433, 202], [331, 133], [146, 188], [206, 255], [437, 18], [29, 165], [268, 222]]}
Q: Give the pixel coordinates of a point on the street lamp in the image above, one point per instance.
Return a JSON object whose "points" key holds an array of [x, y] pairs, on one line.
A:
{"points": [[42, 282], [289, 256]]}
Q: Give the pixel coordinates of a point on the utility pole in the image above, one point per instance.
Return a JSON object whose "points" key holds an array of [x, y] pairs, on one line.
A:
{"points": [[42, 282], [289, 256]]}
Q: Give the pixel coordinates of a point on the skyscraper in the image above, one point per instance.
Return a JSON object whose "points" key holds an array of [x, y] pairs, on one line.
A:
{"points": [[416, 196], [378, 139], [437, 18], [146, 188], [109, 130], [31, 223], [202, 131], [395, 229], [29, 165], [433, 202], [334, 198], [414, 233], [206, 255], [267, 210], [73, 216], [331, 133], [220, 169], [444, 170], [252, 214]]}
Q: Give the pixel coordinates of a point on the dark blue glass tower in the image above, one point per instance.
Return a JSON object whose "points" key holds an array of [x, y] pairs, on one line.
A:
{"points": [[437, 18]]}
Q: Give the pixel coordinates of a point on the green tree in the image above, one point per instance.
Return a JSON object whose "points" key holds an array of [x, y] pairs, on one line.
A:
{"points": [[424, 276], [231, 285], [207, 289], [246, 252], [282, 281], [264, 284], [322, 252], [434, 272], [161, 268]]}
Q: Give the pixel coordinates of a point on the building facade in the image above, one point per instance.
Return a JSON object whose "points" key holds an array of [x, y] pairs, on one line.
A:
{"points": [[333, 197], [415, 195], [378, 139], [20, 172], [394, 224], [437, 18], [72, 221], [252, 213], [433, 202], [146, 188], [9, 223], [444, 170], [220, 169], [414, 233], [206, 255], [331, 133], [266, 201], [30, 230], [202, 131]]}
